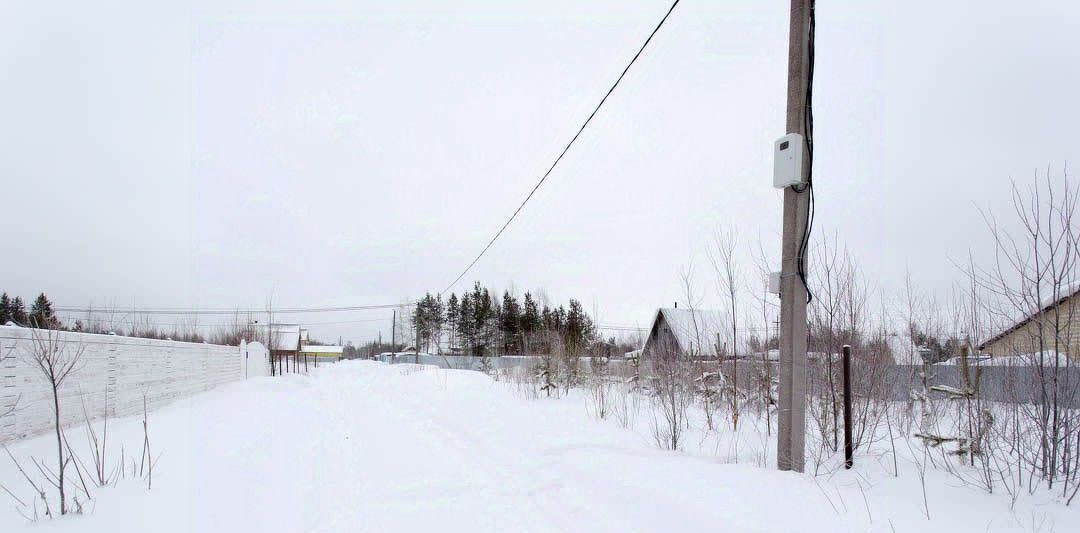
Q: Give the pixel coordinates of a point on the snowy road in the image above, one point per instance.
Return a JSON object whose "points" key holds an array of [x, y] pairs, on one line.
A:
{"points": [[364, 446]]}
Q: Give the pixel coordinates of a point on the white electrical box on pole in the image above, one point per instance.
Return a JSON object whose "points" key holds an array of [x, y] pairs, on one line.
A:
{"points": [[787, 161]]}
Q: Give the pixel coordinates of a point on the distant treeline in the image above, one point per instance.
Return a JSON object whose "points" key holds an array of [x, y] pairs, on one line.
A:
{"points": [[478, 322], [42, 316]]}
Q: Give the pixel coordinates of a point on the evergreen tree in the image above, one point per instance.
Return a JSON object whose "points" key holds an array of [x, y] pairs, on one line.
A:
{"points": [[465, 321], [530, 321], [559, 318], [428, 320], [5, 309], [41, 314], [547, 318], [510, 323], [481, 323], [18, 312], [579, 328], [547, 324], [452, 318], [494, 327], [417, 319], [438, 320], [481, 314]]}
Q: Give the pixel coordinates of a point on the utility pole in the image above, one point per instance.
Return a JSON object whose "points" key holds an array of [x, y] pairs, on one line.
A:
{"points": [[393, 338], [791, 434]]}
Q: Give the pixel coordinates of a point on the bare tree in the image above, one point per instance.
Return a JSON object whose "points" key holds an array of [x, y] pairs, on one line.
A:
{"points": [[767, 307], [729, 283], [57, 360], [1033, 273], [692, 298], [673, 393]]}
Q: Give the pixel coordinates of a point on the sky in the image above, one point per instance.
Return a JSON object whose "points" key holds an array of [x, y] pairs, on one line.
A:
{"points": [[223, 154]]}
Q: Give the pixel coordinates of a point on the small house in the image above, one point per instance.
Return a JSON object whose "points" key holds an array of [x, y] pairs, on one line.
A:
{"points": [[321, 354], [1055, 325], [686, 333]]}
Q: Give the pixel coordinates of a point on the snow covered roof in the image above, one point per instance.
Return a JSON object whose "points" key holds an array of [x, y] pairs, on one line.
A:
{"points": [[769, 355], [285, 337], [1063, 292], [315, 348], [1047, 359], [695, 330]]}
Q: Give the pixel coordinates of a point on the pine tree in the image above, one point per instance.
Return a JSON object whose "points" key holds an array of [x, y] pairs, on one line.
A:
{"points": [[510, 323], [18, 312], [494, 327], [428, 320], [438, 319], [579, 328], [41, 314], [452, 318], [417, 319], [5, 309], [482, 311], [464, 322], [530, 321], [547, 322], [559, 317]]}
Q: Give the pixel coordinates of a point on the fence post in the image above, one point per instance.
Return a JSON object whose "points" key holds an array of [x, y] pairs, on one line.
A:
{"points": [[848, 448]]}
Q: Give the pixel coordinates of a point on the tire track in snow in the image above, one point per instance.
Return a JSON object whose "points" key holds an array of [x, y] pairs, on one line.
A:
{"points": [[546, 513], [549, 511]]}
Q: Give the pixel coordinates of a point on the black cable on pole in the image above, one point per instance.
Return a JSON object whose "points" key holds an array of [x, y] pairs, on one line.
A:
{"points": [[808, 126], [564, 150]]}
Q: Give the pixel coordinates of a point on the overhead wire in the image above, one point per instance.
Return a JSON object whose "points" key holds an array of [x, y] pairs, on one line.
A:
{"points": [[564, 150], [238, 311]]}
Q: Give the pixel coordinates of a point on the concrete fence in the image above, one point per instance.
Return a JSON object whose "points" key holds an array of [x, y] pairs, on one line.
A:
{"points": [[114, 376]]}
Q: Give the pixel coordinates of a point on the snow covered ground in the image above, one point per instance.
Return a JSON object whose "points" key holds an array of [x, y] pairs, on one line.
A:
{"points": [[365, 446]]}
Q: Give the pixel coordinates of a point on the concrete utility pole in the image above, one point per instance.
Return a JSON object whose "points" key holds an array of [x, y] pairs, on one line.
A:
{"points": [[791, 437]]}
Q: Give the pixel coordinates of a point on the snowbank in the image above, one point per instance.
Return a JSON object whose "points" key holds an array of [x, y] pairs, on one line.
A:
{"points": [[1046, 359]]}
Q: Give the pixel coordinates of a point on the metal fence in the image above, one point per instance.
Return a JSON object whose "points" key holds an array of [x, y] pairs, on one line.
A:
{"points": [[895, 382]]}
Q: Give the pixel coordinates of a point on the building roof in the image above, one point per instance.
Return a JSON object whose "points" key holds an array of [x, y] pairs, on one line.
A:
{"points": [[284, 337], [695, 330], [1066, 292], [315, 348]]}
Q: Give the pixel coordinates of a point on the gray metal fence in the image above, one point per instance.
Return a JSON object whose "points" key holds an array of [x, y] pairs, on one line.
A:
{"points": [[895, 382]]}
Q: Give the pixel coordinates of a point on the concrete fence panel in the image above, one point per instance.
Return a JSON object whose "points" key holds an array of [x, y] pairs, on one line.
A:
{"points": [[115, 376]]}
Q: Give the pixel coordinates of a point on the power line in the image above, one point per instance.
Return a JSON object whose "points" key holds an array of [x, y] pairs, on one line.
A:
{"points": [[616, 327], [155, 323], [237, 311], [564, 150]]}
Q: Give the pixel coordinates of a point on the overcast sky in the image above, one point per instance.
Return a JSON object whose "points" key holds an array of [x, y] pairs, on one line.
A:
{"points": [[212, 153]]}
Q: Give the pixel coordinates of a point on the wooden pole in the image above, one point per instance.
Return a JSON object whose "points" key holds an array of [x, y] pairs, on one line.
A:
{"points": [[849, 449]]}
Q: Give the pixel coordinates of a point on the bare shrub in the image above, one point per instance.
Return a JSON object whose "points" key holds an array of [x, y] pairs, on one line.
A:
{"points": [[1032, 279], [599, 387], [98, 444], [672, 397]]}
